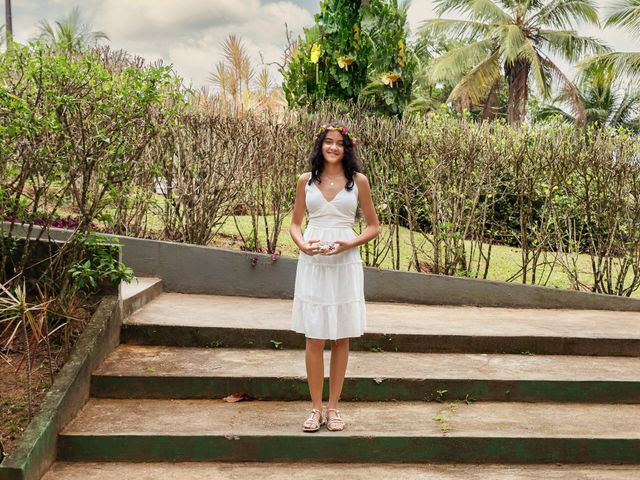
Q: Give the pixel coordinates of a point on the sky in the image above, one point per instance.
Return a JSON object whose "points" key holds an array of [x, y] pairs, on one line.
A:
{"points": [[188, 33]]}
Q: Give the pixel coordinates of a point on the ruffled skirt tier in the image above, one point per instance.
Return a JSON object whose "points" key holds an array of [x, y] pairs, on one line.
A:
{"points": [[329, 290]]}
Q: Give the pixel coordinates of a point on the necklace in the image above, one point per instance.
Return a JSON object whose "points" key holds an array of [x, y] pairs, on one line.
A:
{"points": [[332, 181]]}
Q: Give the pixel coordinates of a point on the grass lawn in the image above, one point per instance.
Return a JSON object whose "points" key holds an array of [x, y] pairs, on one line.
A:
{"points": [[504, 263]]}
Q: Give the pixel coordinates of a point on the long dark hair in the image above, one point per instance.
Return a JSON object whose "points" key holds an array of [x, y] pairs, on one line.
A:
{"points": [[350, 163]]}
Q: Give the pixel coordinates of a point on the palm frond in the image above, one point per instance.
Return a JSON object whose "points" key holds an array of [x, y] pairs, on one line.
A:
{"points": [[512, 40], [571, 46], [538, 70], [623, 63], [70, 33], [455, 28], [569, 90], [624, 13], [477, 83], [547, 112], [483, 10], [47, 32], [422, 104], [565, 13], [628, 111], [452, 65]]}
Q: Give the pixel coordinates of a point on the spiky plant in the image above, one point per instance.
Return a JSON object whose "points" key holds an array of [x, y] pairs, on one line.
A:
{"points": [[70, 33], [512, 40], [233, 74]]}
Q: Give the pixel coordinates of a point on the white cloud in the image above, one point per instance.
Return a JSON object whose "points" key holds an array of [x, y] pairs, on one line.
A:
{"points": [[189, 33]]}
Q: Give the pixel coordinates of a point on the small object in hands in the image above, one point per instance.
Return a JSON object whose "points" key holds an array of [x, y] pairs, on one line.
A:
{"points": [[326, 246]]}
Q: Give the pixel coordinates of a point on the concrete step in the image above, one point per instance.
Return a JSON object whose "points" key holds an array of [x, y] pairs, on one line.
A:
{"points": [[138, 292], [213, 430], [351, 471], [242, 322], [134, 371]]}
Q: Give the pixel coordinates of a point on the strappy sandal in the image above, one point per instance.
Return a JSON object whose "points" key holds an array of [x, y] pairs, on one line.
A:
{"points": [[316, 423], [336, 423]]}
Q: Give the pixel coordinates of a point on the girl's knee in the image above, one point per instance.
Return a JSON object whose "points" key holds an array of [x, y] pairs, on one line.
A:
{"points": [[340, 343], [315, 343]]}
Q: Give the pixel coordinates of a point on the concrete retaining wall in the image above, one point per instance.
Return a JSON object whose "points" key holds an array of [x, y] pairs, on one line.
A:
{"points": [[196, 269]]}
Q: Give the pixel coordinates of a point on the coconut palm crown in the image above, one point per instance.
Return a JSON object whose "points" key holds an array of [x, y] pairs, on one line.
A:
{"points": [[512, 40]]}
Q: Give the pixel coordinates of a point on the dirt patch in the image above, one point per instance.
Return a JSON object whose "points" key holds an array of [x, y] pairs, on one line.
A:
{"points": [[14, 402], [14, 410]]}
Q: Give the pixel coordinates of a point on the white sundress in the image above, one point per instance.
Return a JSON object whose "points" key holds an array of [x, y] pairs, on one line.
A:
{"points": [[328, 301]]}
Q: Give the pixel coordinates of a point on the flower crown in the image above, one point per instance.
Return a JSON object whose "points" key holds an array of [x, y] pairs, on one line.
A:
{"points": [[344, 131]]}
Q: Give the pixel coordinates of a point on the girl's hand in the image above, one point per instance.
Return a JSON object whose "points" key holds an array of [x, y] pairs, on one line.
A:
{"points": [[339, 247], [309, 248]]}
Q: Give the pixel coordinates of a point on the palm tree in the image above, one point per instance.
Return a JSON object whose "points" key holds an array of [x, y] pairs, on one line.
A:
{"points": [[625, 14], [512, 39], [604, 102], [70, 33]]}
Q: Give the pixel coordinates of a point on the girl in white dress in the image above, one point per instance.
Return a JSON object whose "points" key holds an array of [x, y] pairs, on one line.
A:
{"points": [[328, 301]]}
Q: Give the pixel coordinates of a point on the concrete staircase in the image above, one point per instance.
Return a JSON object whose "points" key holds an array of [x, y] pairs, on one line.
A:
{"points": [[432, 392]]}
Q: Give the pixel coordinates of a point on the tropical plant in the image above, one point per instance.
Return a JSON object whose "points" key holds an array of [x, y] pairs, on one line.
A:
{"points": [[625, 14], [605, 102], [70, 33], [391, 62], [512, 39], [354, 48]]}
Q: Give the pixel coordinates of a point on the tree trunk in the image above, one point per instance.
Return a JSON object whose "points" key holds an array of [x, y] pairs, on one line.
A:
{"points": [[487, 111], [8, 23], [518, 77]]}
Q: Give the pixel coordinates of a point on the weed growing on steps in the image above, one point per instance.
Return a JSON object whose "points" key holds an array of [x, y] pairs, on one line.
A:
{"points": [[445, 427], [277, 345], [444, 416]]}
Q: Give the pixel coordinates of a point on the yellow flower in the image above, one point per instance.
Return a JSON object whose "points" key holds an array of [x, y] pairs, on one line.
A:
{"points": [[401, 52], [390, 78], [315, 53], [345, 61]]}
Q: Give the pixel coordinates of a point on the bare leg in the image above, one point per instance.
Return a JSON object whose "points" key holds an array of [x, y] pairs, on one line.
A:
{"points": [[315, 371], [338, 369]]}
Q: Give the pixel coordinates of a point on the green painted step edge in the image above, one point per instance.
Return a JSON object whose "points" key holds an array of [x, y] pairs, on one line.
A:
{"points": [[367, 389], [341, 448], [216, 337]]}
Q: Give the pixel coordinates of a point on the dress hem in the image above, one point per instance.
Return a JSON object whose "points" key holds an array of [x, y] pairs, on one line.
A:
{"points": [[328, 338]]}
